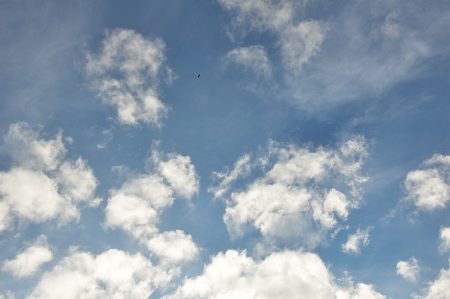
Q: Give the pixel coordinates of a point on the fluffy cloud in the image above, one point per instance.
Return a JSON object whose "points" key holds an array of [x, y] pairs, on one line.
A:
{"points": [[137, 205], [111, 274], [300, 195], [287, 274], [439, 288], [28, 149], [127, 73], [429, 187], [445, 239], [408, 269], [358, 52], [253, 58], [41, 185], [179, 172], [173, 247], [30, 260], [356, 241]]}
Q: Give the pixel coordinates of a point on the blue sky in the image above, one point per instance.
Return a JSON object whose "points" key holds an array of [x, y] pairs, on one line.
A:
{"points": [[310, 159]]}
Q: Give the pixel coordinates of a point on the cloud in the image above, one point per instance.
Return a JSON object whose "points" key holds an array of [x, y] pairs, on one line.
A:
{"points": [[179, 172], [28, 149], [127, 74], [297, 193], [409, 269], [445, 239], [41, 185], [345, 53], [286, 274], [111, 274], [173, 247], [30, 260], [241, 168], [136, 207], [253, 58], [439, 288], [429, 187], [356, 241]]}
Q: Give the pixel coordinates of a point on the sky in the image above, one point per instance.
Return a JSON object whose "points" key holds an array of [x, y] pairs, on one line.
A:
{"points": [[225, 149]]}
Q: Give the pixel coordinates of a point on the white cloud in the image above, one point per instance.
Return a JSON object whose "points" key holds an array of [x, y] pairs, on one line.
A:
{"points": [[286, 274], [253, 58], [77, 180], [30, 260], [356, 241], [298, 41], [136, 205], [179, 172], [42, 185], [301, 194], [29, 150], [173, 247], [111, 274], [409, 269], [445, 239], [136, 208], [439, 288], [358, 52], [127, 73], [241, 168], [429, 188]]}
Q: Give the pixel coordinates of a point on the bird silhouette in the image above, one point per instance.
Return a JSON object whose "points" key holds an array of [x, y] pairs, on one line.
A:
{"points": [[198, 76]]}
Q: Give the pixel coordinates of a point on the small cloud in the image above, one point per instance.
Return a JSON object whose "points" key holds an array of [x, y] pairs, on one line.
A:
{"points": [[356, 241], [409, 269]]}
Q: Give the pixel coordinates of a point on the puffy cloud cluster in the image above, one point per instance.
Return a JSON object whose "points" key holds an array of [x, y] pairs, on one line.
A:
{"points": [[429, 187], [127, 72], [345, 53], [356, 241], [30, 260], [111, 274], [286, 274], [298, 194], [137, 205], [409, 269], [41, 185]]}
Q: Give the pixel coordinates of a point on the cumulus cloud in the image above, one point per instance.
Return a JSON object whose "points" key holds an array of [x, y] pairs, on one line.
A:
{"points": [[136, 207], [409, 269], [439, 288], [127, 74], [286, 274], [30, 260], [299, 194], [429, 187], [356, 241], [253, 58], [41, 185], [353, 52], [111, 274], [445, 239], [173, 247], [179, 172]]}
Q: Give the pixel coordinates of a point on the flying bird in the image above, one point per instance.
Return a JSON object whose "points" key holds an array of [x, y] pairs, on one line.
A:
{"points": [[198, 76]]}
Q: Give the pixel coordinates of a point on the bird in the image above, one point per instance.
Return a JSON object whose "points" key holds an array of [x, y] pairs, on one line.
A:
{"points": [[198, 76]]}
